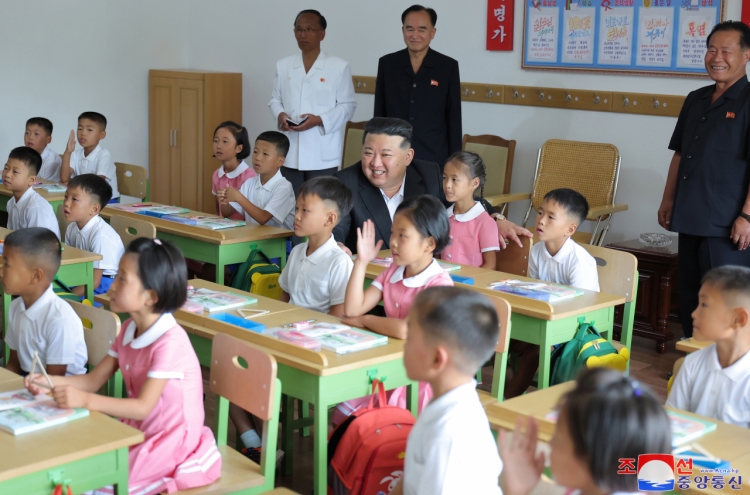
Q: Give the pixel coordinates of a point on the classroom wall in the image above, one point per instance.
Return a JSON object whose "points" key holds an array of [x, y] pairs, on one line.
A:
{"points": [[235, 35]]}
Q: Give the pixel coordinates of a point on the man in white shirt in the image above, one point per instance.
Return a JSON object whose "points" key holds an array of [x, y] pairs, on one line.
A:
{"points": [[317, 88], [38, 135]]}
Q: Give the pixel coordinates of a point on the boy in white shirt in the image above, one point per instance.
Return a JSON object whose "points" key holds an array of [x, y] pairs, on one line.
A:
{"points": [[91, 158], [38, 320], [38, 135], [85, 198], [715, 381], [451, 450], [267, 198], [27, 208]]}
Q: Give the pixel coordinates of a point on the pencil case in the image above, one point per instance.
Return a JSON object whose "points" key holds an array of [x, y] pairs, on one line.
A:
{"points": [[239, 322], [462, 280]]}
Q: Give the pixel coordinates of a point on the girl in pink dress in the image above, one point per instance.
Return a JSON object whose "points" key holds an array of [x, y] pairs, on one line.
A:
{"points": [[231, 146], [474, 239], [419, 231], [161, 372]]}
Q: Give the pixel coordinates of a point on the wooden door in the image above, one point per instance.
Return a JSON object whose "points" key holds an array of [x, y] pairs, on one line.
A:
{"points": [[186, 185], [162, 114]]}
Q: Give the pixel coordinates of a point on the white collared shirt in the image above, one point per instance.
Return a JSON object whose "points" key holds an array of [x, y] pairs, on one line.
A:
{"points": [[99, 162], [703, 387], [572, 265], [51, 162], [317, 281], [275, 196], [32, 210], [98, 237], [52, 328], [394, 202], [451, 449]]}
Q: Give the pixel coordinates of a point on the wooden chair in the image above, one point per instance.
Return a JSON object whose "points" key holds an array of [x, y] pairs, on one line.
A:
{"points": [[61, 222], [501, 353], [132, 228], [618, 275], [353, 135], [592, 169], [514, 259], [497, 155], [245, 376], [100, 329], [132, 180]]}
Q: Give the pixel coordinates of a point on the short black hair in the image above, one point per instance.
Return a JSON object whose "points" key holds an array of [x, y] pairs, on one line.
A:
{"points": [[29, 156], [729, 280], [610, 417], [162, 269], [738, 26], [45, 124], [39, 246], [420, 8], [321, 19], [572, 201], [329, 189], [100, 119], [93, 185], [240, 135], [429, 217], [390, 126], [277, 139], [464, 320]]}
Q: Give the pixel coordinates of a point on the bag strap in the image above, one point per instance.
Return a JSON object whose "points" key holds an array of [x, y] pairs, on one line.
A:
{"points": [[382, 401], [61, 285], [260, 255]]}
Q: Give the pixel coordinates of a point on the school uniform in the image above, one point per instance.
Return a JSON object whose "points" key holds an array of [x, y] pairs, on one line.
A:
{"points": [[472, 234], [235, 178], [451, 448], [31, 210], [99, 162], [572, 265], [317, 281], [275, 196], [51, 162], [703, 387], [399, 292], [98, 237], [51, 327]]}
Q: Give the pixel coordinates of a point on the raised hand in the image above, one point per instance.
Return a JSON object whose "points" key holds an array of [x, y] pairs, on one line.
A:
{"points": [[71, 146], [367, 248], [522, 468]]}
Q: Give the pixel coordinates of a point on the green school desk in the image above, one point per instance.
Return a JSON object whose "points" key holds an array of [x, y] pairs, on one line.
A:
{"points": [[220, 247], [87, 453], [54, 199], [538, 322]]}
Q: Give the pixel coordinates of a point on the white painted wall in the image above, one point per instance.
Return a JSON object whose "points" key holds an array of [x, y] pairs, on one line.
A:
{"points": [[244, 36]]}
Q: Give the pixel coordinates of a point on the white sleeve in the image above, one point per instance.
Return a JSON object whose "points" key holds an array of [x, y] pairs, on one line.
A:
{"points": [[75, 163], [276, 104], [106, 167], [63, 336], [11, 334], [37, 217], [281, 203], [284, 277], [335, 118], [339, 279], [105, 246], [584, 275], [679, 396]]}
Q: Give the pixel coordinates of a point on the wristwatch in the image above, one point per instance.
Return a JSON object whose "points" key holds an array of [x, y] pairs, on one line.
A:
{"points": [[745, 216], [502, 217]]}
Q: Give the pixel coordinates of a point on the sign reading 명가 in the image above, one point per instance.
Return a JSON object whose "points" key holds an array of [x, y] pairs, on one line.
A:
{"points": [[500, 25]]}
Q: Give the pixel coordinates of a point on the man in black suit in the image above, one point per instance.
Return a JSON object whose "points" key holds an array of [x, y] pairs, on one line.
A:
{"points": [[422, 86], [387, 175]]}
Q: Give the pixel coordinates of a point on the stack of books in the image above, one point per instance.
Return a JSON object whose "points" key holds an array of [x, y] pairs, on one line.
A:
{"points": [[341, 339], [536, 290], [200, 300], [21, 412]]}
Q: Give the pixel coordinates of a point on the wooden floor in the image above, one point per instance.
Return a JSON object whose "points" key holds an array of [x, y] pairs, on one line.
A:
{"points": [[646, 366]]}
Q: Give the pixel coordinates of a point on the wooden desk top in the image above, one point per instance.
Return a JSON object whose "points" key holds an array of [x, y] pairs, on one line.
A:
{"points": [[6, 376], [589, 301], [61, 444], [42, 192], [691, 345], [70, 255], [225, 236]]}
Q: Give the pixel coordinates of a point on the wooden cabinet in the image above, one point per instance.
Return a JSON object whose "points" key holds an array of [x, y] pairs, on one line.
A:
{"points": [[184, 109]]}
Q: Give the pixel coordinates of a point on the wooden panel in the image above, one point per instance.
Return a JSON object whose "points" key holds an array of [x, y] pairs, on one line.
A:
{"points": [[645, 104], [571, 99], [161, 113], [487, 93], [364, 84], [187, 172]]}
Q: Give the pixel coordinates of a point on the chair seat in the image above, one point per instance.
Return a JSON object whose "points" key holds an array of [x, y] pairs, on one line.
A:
{"points": [[237, 473], [485, 398]]}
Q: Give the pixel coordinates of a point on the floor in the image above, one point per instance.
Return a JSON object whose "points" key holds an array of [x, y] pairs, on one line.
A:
{"points": [[646, 366]]}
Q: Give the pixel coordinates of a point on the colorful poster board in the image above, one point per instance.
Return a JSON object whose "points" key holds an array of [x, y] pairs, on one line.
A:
{"points": [[640, 36]]}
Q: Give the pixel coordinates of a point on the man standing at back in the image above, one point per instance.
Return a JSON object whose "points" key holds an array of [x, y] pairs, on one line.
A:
{"points": [[422, 87]]}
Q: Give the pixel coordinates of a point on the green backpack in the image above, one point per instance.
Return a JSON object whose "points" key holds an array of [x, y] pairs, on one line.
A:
{"points": [[568, 359], [258, 275]]}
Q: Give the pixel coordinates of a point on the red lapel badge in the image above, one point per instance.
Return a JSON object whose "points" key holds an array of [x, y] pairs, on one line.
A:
{"points": [[322, 79], [433, 82], [730, 115]]}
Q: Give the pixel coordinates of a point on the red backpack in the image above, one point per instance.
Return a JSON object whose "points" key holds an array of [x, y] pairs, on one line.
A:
{"points": [[366, 452]]}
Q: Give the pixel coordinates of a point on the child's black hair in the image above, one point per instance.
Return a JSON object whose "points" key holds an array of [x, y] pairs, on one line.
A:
{"points": [[162, 269], [93, 185], [240, 135], [429, 217], [464, 320], [329, 189], [277, 139], [45, 124], [100, 119], [611, 417], [729, 280], [29, 156], [472, 166], [572, 201], [39, 245]]}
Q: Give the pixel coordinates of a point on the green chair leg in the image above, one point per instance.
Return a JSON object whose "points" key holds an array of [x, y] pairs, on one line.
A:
{"points": [[287, 434], [304, 412], [498, 376]]}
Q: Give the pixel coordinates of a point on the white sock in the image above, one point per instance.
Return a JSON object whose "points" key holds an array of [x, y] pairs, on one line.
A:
{"points": [[251, 439]]}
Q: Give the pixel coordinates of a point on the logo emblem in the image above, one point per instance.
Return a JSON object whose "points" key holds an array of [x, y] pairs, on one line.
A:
{"points": [[730, 115], [433, 82], [655, 472]]}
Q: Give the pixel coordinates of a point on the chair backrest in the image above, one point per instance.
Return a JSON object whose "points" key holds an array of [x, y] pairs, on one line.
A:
{"points": [[235, 362], [503, 315], [497, 155], [131, 180], [131, 228], [100, 328], [617, 271], [589, 168], [61, 222], [514, 259], [353, 135]]}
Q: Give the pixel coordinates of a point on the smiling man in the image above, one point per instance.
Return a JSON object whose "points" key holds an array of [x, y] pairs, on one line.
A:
{"points": [[422, 86], [706, 198]]}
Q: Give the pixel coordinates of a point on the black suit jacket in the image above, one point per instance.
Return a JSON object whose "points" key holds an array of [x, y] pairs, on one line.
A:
{"points": [[429, 100]]}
